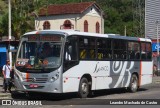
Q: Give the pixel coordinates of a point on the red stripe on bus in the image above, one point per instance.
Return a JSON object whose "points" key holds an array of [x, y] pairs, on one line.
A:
{"points": [[140, 74], [37, 32], [27, 76]]}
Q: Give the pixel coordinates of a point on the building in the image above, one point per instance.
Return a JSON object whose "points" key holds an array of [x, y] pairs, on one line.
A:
{"points": [[152, 18], [84, 16], [152, 26], [152, 22]]}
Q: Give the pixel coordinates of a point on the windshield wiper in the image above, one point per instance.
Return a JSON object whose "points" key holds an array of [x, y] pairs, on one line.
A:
{"points": [[21, 68], [34, 70]]}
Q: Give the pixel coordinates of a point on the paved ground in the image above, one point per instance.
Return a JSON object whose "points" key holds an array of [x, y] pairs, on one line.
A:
{"points": [[156, 80], [150, 91], [2, 94]]}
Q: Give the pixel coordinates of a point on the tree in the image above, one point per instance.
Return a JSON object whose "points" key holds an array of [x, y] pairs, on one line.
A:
{"points": [[117, 15]]}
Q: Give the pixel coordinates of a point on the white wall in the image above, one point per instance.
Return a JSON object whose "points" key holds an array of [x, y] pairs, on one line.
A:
{"points": [[91, 15]]}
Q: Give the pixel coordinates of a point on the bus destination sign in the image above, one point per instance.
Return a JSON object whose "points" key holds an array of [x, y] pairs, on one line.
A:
{"points": [[50, 38], [44, 38]]}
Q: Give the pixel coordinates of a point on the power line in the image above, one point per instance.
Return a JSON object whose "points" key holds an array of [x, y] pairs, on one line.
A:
{"points": [[138, 7]]}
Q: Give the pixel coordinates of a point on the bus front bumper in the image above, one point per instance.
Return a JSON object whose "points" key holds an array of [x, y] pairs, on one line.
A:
{"points": [[47, 87]]}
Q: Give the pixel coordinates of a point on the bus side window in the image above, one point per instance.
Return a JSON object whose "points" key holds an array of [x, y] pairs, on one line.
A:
{"points": [[132, 55], [149, 55], [143, 51], [100, 55], [134, 50], [104, 48], [119, 49], [109, 56], [87, 48], [137, 55], [92, 54], [148, 51], [82, 54]]}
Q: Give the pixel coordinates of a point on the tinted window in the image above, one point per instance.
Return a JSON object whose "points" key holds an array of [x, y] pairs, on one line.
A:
{"points": [[119, 49], [104, 48], [146, 52], [87, 48], [133, 50]]}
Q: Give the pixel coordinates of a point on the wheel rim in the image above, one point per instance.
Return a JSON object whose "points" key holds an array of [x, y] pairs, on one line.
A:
{"points": [[134, 85], [84, 88]]}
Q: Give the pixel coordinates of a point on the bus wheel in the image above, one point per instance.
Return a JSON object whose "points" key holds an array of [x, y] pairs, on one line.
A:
{"points": [[83, 88], [30, 95], [133, 84]]}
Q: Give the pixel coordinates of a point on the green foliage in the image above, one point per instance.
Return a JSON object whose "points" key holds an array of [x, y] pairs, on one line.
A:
{"points": [[117, 15]]}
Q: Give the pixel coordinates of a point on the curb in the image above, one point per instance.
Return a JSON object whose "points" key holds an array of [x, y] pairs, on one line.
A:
{"points": [[157, 82], [156, 79], [5, 95]]}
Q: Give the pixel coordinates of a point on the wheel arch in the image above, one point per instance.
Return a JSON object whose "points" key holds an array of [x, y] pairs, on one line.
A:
{"points": [[89, 78], [136, 73]]}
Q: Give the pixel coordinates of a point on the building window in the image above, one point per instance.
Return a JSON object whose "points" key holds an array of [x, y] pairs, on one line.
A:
{"points": [[46, 25], [97, 27], [85, 26], [67, 24]]}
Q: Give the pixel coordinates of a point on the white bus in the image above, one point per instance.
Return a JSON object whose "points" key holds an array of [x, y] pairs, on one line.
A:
{"points": [[70, 61]]}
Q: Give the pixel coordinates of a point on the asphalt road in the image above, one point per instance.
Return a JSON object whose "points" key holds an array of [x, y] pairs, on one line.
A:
{"points": [[100, 98]]}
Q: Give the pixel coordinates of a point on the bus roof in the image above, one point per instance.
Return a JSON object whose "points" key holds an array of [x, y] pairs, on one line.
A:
{"points": [[74, 32]]}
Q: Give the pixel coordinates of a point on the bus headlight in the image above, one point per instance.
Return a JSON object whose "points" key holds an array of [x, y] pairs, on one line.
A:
{"points": [[55, 77]]}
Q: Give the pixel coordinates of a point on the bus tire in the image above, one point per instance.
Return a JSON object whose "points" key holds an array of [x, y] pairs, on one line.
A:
{"points": [[31, 95], [83, 88], [133, 84]]}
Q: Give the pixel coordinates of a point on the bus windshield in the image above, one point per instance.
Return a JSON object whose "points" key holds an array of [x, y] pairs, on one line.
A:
{"points": [[37, 52]]}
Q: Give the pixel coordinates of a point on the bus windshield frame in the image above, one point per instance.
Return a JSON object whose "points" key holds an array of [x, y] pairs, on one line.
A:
{"points": [[40, 53]]}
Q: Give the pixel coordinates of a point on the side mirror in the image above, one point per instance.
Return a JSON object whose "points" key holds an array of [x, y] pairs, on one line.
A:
{"points": [[68, 53], [70, 49], [67, 57]]}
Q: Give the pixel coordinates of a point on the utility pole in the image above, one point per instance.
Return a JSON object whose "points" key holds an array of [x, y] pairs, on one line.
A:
{"points": [[125, 31], [157, 22], [138, 17], [9, 31], [37, 20]]}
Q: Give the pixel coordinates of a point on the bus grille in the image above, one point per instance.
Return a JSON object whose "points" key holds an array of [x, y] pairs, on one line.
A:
{"points": [[36, 80], [39, 87]]}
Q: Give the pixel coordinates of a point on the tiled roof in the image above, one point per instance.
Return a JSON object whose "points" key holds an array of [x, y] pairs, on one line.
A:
{"points": [[72, 8]]}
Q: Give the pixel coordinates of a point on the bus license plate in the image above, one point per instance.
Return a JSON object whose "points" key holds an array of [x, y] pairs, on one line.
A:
{"points": [[33, 85]]}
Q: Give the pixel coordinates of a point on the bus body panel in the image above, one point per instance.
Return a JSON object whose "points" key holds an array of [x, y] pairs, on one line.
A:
{"points": [[42, 81], [121, 73], [97, 69], [70, 84], [146, 72], [104, 74], [102, 82]]}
